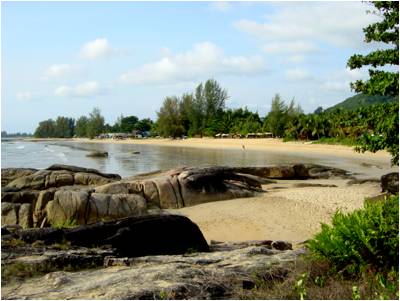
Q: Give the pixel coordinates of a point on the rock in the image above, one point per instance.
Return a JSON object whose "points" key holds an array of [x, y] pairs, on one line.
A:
{"points": [[20, 197], [39, 212], [282, 245], [9, 213], [133, 236], [25, 216], [68, 206], [209, 275], [84, 178], [98, 154], [76, 169], [35, 181], [114, 206], [10, 174], [390, 182]]}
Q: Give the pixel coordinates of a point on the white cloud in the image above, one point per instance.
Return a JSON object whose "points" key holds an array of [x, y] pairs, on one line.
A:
{"points": [[290, 47], [336, 23], [222, 6], [336, 85], [297, 74], [97, 48], [60, 71], [339, 80], [26, 95], [87, 89], [203, 60]]}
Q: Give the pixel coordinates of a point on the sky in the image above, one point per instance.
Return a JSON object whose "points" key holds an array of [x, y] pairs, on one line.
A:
{"points": [[65, 58]]}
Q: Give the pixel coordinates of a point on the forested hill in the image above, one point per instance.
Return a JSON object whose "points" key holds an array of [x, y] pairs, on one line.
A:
{"points": [[361, 100]]}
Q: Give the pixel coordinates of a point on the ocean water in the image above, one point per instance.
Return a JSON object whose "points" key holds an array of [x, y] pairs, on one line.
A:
{"points": [[123, 160]]}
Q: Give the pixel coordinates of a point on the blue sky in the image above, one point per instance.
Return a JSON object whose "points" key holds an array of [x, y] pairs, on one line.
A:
{"points": [[65, 58]]}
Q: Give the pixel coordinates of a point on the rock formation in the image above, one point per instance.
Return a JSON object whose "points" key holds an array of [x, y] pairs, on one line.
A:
{"points": [[64, 194], [61, 272]]}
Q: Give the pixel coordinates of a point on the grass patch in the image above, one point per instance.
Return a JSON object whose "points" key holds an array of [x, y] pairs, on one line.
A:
{"points": [[69, 223], [336, 141]]}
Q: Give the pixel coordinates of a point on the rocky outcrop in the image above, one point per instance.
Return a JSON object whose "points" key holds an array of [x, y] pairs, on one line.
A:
{"points": [[64, 194], [10, 174], [61, 175], [390, 182], [228, 268]]}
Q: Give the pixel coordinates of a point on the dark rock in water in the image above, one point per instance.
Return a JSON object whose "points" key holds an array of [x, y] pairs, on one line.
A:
{"points": [[133, 236], [98, 154], [135, 153], [85, 170], [390, 182]]}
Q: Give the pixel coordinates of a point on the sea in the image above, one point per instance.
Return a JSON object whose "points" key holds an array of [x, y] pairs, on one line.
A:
{"points": [[133, 159]]}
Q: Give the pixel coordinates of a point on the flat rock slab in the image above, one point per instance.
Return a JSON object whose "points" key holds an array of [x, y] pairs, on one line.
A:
{"points": [[213, 275]]}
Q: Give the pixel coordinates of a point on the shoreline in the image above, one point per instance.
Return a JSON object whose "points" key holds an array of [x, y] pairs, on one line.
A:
{"points": [[261, 144]]}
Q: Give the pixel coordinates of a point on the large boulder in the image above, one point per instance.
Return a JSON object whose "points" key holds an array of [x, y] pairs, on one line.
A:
{"points": [[133, 236], [390, 182]]}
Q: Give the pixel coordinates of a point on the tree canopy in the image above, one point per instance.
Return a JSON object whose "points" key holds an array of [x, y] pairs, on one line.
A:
{"points": [[381, 82]]}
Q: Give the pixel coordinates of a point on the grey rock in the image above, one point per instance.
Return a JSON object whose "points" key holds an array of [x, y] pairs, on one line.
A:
{"points": [[390, 182]]}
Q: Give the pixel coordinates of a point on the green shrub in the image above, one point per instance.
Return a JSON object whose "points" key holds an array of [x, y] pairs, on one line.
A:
{"points": [[365, 237]]}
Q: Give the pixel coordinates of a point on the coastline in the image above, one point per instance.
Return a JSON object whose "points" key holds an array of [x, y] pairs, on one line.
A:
{"points": [[262, 144]]}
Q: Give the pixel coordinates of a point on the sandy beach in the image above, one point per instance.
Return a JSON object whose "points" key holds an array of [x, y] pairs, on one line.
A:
{"points": [[283, 212], [249, 144]]}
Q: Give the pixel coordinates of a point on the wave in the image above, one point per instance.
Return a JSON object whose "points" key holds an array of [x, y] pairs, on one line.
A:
{"points": [[20, 146]]}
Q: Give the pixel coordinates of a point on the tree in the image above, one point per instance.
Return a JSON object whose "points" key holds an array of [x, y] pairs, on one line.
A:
{"points": [[46, 129], [319, 110], [387, 31], [169, 122], [81, 126], [275, 118], [144, 125], [64, 127], [95, 124], [127, 124], [386, 127]]}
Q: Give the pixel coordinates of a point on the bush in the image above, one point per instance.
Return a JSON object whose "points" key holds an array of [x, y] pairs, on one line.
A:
{"points": [[365, 237]]}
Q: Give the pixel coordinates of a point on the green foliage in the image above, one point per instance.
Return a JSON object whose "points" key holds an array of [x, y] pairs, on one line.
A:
{"points": [[282, 116], [362, 100], [382, 131], [95, 124], [169, 121], [81, 126], [69, 223], [365, 237], [386, 31]]}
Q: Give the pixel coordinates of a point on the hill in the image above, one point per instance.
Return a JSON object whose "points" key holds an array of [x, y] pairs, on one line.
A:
{"points": [[361, 100]]}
